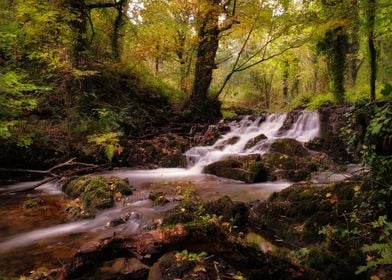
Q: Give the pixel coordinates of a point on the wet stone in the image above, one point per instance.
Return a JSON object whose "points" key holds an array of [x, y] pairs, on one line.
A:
{"points": [[123, 268]]}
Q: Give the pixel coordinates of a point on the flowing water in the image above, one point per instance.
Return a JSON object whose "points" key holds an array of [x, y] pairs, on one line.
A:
{"points": [[30, 238], [305, 128]]}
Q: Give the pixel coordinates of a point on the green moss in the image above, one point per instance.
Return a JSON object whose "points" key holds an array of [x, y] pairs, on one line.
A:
{"points": [[97, 195], [31, 203], [246, 169], [320, 258], [76, 186], [120, 185], [158, 198]]}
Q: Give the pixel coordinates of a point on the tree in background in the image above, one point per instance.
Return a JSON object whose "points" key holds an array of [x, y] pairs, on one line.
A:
{"points": [[209, 30]]}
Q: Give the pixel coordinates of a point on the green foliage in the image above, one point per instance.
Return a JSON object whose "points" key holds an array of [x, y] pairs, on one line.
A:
{"points": [[191, 257], [312, 101], [381, 251], [108, 142], [368, 132], [386, 91], [17, 99], [320, 100]]}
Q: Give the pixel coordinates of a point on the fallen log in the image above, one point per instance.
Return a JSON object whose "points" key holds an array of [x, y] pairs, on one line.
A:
{"points": [[57, 172]]}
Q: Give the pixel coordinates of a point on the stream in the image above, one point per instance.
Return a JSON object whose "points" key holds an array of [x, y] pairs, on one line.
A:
{"points": [[42, 237]]}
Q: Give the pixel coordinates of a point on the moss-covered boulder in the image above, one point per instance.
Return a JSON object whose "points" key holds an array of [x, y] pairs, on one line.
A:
{"points": [[249, 169], [288, 167], [97, 195], [299, 212], [289, 147], [120, 185], [235, 212], [94, 193]]}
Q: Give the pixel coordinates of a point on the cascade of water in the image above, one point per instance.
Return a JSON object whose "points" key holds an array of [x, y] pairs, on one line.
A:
{"points": [[235, 142]]}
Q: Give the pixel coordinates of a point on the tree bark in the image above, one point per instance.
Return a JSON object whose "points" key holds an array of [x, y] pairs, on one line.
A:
{"points": [[208, 34], [79, 25], [117, 24], [285, 81]]}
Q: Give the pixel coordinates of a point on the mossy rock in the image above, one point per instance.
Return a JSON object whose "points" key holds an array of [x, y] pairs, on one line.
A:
{"points": [[158, 198], [95, 193], [289, 167], [120, 185], [235, 212], [75, 186], [289, 147], [247, 169], [252, 142]]}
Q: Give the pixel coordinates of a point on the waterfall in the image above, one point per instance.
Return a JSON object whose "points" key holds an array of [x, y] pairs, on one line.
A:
{"points": [[305, 128]]}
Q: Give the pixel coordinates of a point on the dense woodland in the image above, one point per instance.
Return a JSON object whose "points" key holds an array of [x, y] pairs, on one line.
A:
{"points": [[87, 78]]}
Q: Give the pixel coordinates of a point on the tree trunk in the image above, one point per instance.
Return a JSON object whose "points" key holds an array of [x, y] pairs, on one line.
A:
{"points": [[208, 33], [78, 24], [371, 16], [285, 81], [117, 24], [315, 74]]}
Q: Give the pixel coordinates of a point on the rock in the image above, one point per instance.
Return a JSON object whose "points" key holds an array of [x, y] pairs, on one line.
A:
{"points": [[307, 204], [158, 198], [252, 142], [332, 120], [289, 147], [333, 146], [123, 268], [93, 193], [248, 169], [236, 212], [288, 167], [120, 185], [231, 141], [288, 123], [97, 195]]}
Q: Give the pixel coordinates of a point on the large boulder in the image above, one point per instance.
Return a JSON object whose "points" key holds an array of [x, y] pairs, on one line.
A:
{"points": [[249, 169], [288, 167], [332, 120], [91, 194], [289, 147]]}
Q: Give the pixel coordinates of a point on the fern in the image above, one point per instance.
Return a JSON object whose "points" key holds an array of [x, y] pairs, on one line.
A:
{"points": [[379, 253], [108, 142]]}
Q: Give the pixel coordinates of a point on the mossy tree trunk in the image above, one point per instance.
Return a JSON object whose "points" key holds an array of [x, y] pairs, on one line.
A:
{"points": [[79, 26], [335, 46], [208, 34]]}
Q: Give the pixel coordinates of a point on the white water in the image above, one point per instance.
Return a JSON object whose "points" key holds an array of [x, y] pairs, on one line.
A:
{"points": [[306, 127]]}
